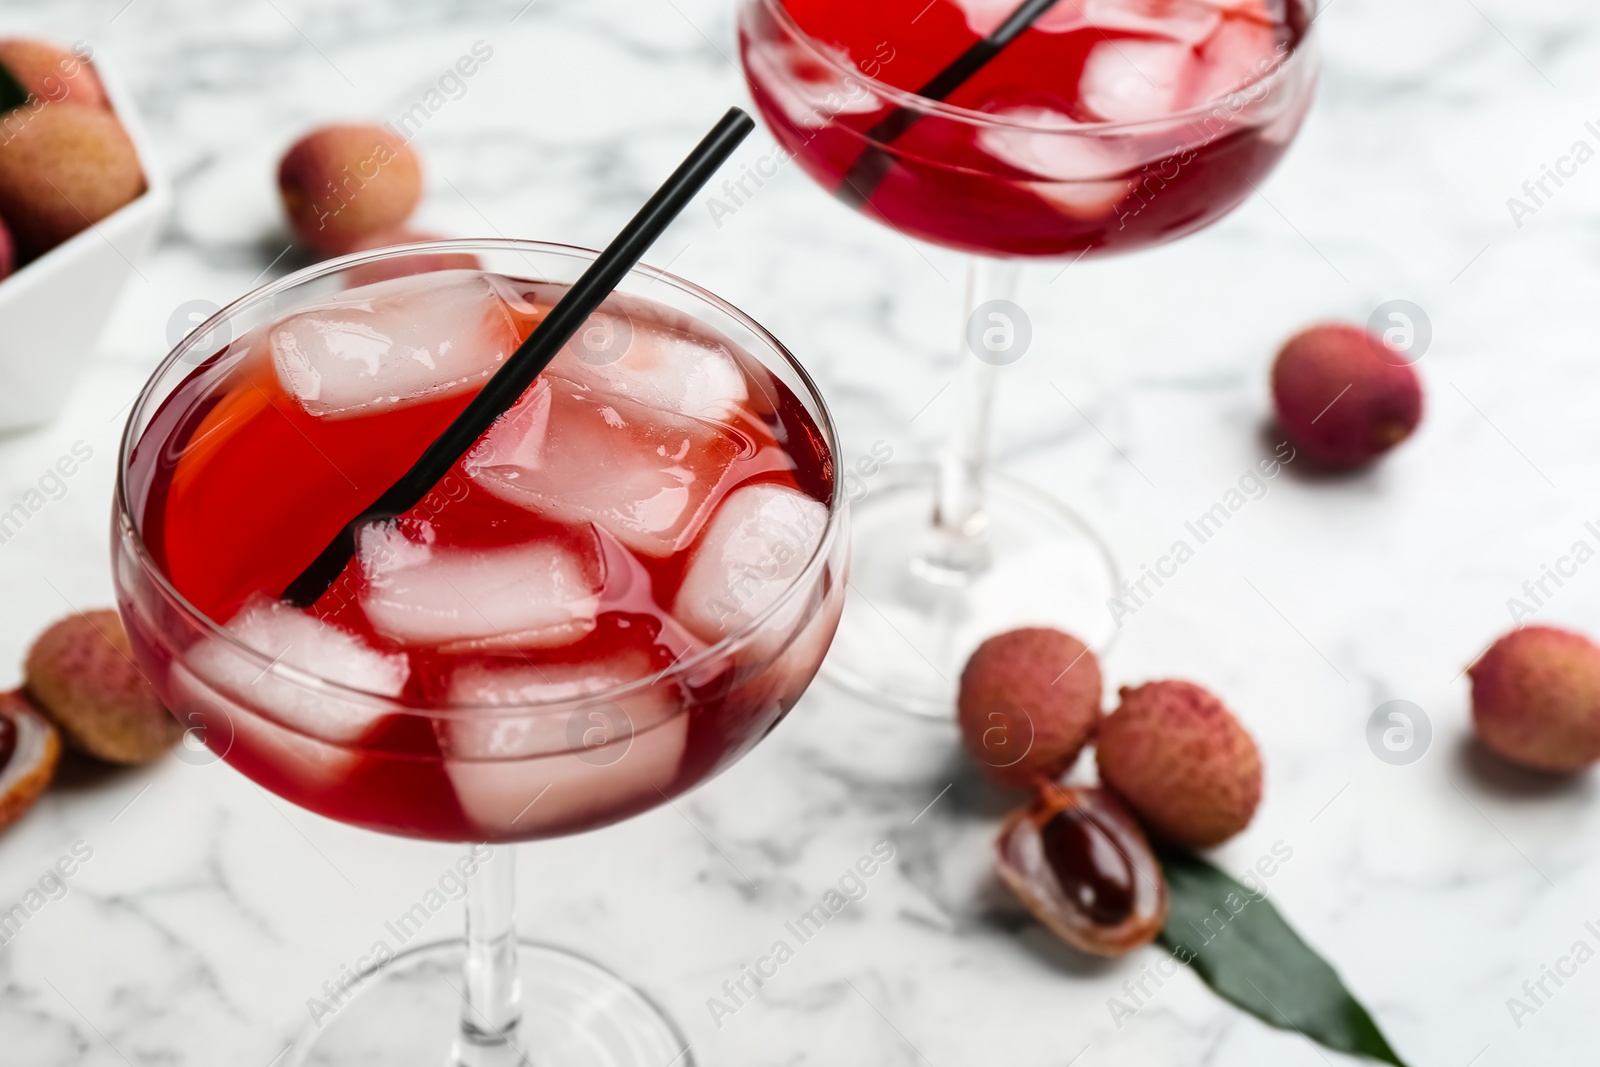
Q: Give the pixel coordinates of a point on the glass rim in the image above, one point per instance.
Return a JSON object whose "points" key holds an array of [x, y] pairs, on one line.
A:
{"points": [[211, 628], [909, 99]]}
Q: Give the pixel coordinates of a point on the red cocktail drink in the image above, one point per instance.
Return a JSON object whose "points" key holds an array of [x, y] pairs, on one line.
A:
{"points": [[1108, 125], [615, 594]]}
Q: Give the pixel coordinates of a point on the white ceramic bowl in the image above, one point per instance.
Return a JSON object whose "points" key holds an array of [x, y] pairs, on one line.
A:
{"points": [[52, 310]]}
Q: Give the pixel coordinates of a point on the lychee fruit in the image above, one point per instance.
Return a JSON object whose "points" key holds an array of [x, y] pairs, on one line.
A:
{"points": [[29, 749], [1029, 701], [341, 184], [1077, 859], [1536, 699], [81, 673], [404, 266], [52, 75], [1344, 395], [66, 168], [1182, 762]]}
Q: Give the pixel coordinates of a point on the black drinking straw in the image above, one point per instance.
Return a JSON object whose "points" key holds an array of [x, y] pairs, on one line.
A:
{"points": [[872, 166], [533, 355]]}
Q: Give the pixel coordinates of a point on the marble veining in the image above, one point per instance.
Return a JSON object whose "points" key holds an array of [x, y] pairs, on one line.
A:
{"points": [[209, 912]]}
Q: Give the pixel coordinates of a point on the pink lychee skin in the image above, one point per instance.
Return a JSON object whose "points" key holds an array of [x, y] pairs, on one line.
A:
{"points": [[81, 675], [1180, 759], [1344, 396], [1029, 702], [1536, 699], [51, 74], [343, 183]]}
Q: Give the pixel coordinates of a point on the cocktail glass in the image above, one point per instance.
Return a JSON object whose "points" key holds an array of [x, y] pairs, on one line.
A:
{"points": [[1012, 169], [493, 772]]}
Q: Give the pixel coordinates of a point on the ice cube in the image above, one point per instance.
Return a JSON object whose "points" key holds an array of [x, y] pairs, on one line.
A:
{"points": [[1048, 143], [623, 354], [786, 660], [809, 91], [1241, 52], [234, 728], [645, 476], [292, 638], [521, 683], [803, 656], [539, 595], [759, 540], [392, 343], [1270, 12], [1284, 124], [568, 766], [1187, 21], [985, 16], [1085, 169], [294, 729], [1082, 200], [1133, 80]]}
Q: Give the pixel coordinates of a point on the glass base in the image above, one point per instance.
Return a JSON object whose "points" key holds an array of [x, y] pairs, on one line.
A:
{"points": [[575, 1014], [920, 601]]}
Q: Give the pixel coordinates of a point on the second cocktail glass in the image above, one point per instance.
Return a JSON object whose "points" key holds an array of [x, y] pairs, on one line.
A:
{"points": [[1108, 126]]}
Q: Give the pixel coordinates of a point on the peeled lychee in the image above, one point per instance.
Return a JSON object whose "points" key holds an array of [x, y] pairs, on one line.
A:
{"points": [[341, 184], [1536, 699], [1029, 702], [1078, 860], [1182, 762], [29, 749], [68, 166], [403, 266], [53, 75], [80, 672], [1344, 395]]}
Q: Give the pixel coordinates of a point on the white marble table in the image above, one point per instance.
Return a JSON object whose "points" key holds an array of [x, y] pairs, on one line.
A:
{"points": [[208, 913]]}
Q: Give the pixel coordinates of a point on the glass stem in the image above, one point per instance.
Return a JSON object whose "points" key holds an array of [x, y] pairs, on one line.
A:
{"points": [[960, 548], [493, 997]]}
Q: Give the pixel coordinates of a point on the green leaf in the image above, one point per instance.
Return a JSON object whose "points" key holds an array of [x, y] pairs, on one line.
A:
{"points": [[12, 94], [1238, 943]]}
